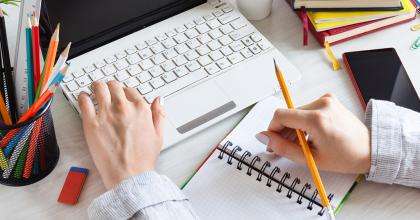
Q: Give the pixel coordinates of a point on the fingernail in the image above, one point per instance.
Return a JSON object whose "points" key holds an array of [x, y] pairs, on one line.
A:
{"points": [[161, 101], [262, 138], [268, 149]]}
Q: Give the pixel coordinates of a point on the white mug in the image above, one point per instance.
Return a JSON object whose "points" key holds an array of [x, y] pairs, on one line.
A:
{"points": [[255, 9]]}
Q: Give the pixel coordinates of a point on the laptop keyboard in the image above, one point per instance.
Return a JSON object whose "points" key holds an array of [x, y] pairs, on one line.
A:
{"points": [[171, 61]]}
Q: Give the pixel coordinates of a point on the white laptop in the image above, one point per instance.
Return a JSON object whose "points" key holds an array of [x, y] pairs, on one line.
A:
{"points": [[204, 58]]}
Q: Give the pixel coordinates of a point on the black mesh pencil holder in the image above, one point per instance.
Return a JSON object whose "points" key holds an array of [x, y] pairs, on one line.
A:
{"points": [[29, 150]]}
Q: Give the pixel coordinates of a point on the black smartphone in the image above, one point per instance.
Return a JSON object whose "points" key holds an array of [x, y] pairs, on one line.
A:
{"points": [[379, 74]]}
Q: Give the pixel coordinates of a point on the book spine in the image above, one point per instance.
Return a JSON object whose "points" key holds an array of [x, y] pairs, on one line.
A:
{"points": [[245, 160]]}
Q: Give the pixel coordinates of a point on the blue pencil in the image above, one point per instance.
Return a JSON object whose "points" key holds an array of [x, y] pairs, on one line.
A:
{"points": [[60, 75], [29, 66]]}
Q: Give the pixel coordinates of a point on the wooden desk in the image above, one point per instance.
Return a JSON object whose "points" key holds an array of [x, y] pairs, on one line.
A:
{"points": [[369, 200]]}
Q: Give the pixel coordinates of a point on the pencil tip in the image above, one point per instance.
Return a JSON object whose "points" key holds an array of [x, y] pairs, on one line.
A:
{"points": [[1, 12], [67, 50], [56, 32], [29, 22]]}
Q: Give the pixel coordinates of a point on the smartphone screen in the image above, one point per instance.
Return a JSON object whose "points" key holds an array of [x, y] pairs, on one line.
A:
{"points": [[379, 74]]}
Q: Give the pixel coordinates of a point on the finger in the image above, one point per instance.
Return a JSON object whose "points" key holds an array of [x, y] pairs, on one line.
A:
{"points": [[318, 104], [87, 108], [158, 115], [291, 118], [281, 146], [117, 93], [102, 96], [132, 94]]}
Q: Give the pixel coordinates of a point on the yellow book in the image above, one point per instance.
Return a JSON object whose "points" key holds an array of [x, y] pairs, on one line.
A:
{"points": [[329, 20]]}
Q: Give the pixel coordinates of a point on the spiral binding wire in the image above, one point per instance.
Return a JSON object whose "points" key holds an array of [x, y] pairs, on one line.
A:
{"points": [[281, 184]]}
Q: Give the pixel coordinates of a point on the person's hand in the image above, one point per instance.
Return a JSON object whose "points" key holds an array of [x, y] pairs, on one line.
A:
{"points": [[124, 135], [339, 141]]}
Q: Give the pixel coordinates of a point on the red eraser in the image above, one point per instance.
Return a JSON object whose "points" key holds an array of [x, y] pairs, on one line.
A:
{"points": [[73, 185]]}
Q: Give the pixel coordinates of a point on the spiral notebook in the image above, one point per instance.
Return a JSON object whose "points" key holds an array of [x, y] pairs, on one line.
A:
{"points": [[240, 180]]}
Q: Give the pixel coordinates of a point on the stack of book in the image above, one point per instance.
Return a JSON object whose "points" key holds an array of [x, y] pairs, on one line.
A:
{"points": [[336, 21]]}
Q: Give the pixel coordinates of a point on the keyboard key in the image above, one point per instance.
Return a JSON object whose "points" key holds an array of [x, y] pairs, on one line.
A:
{"points": [[215, 34], [171, 33], [180, 60], [169, 77], [77, 93], [237, 46], [255, 49], [213, 24], [110, 59], [78, 74], [157, 48], [133, 59], [150, 42], [218, 13], [109, 69], [134, 70], [176, 85], [225, 40], [157, 82], [121, 76], [203, 50], [121, 55], [161, 37], [141, 46], [241, 33], [235, 58], [226, 29], [130, 51], [168, 43], [191, 33], [144, 77], [96, 75], [256, 37], [181, 29], [145, 53], [204, 38], [189, 25], [216, 55], [68, 78], [171, 53], [182, 48], [168, 66], [204, 60], [180, 38], [156, 71], [263, 45], [72, 86], [100, 64], [132, 82], [191, 55], [83, 81], [223, 63], [227, 9], [246, 53], [192, 66], [181, 71], [199, 20], [89, 68], [227, 18], [202, 28], [226, 51], [107, 79], [209, 17], [214, 45], [192, 44], [144, 88], [247, 41], [146, 64], [212, 68], [238, 24], [158, 59], [121, 64]]}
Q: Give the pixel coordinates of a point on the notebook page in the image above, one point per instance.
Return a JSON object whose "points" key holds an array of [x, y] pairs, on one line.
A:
{"points": [[219, 190]]}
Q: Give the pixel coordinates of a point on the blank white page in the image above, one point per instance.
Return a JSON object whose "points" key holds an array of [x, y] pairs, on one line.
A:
{"points": [[219, 190]]}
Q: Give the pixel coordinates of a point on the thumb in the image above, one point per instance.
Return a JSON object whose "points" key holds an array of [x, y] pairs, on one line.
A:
{"points": [[281, 146], [158, 115]]}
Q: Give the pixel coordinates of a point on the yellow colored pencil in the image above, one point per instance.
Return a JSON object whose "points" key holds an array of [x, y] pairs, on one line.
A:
{"points": [[49, 61], [305, 147]]}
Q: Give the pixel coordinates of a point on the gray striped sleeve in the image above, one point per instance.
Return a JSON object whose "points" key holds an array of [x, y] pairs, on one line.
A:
{"points": [[395, 144]]}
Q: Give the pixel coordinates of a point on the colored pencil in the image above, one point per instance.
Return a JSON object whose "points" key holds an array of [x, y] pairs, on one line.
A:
{"points": [[305, 147], [60, 75], [29, 60], [10, 96], [38, 104], [49, 61], [36, 51], [32, 149], [58, 66], [3, 111]]}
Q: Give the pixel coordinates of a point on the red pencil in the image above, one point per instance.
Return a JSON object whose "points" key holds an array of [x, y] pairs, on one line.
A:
{"points": [[36, 51]]}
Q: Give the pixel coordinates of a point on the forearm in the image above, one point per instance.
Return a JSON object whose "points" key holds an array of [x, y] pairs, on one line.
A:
{"points": [[395, 144], [146, 196]]}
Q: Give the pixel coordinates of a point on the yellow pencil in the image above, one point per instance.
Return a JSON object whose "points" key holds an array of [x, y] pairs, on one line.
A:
{"points": [[49, 61], [305, 147]]}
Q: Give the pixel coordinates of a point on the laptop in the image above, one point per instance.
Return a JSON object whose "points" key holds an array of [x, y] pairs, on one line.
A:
{"points": [[203, 57]]}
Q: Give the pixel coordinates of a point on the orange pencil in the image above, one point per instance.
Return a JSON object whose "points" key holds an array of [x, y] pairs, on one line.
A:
{"points": [[3, 111], [310, 162], [49, 61], [38, 104]]}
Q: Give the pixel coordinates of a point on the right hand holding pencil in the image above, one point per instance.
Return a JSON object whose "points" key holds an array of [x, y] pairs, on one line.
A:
{"points": [[339, 141], [125, 134]]}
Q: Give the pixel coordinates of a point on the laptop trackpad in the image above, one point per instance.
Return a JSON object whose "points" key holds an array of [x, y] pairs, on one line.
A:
{"points": [[197, 106]]}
